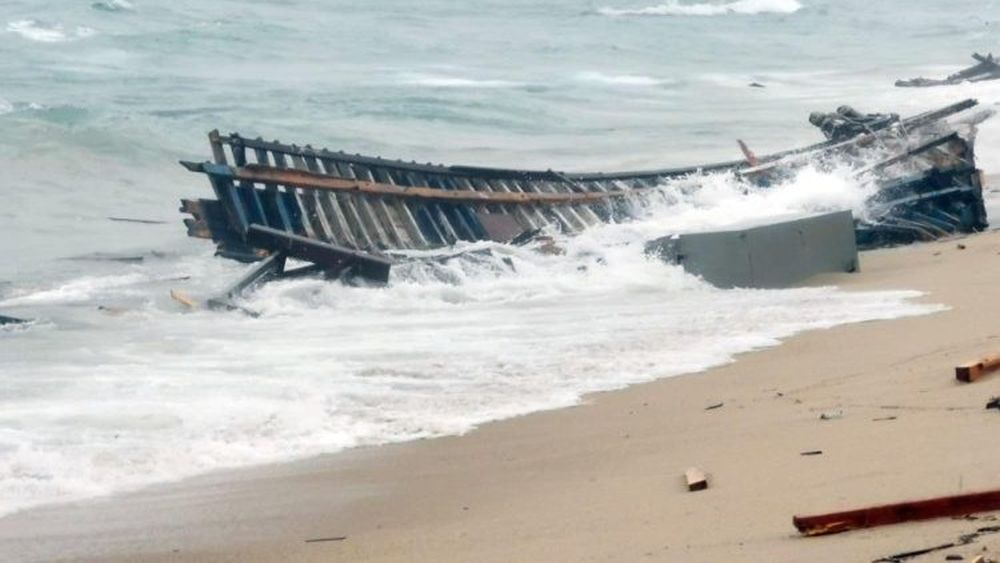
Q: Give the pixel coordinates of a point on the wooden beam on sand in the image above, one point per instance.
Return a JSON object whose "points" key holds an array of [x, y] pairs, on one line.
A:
{"points": [[942, 507], [967, 373]]}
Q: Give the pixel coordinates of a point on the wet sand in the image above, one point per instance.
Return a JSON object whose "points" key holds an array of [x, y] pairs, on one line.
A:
{"points": [[604, 481]]}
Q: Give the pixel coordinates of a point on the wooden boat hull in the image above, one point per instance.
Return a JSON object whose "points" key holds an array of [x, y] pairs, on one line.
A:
{"points": [[377, 206]]}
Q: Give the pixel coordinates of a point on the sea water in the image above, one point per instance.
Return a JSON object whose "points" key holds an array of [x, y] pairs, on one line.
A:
{"points": [[115, 385]]}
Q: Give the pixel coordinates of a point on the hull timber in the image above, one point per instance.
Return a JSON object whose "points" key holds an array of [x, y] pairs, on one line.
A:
{"points": [[369, 207]]}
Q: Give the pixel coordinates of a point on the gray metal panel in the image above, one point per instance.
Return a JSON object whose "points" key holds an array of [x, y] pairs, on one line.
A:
{"points": [[769, 256]]}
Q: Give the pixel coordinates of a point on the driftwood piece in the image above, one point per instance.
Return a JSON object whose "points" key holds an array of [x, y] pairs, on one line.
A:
{"points": [[320, 540], [141, 221], [696, 479], [183, 298], [837, 522], [967, 373], [914, 553]]}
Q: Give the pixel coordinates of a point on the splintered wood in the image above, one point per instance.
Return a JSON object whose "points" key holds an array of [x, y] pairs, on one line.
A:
{"points": [[972, 371], [696, 479]]}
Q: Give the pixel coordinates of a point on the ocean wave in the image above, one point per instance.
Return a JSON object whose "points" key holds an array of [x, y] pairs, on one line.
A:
{"points": [[5, 107], [35, 30], [676, 8], [440, 81], [113, 6], [619, 79], [74, 291]]}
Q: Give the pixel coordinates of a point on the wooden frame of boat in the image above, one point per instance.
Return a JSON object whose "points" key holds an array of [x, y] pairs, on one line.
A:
{"points": [[361, 209]]}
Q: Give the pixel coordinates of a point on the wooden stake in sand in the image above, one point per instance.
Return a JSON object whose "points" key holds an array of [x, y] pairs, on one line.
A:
{"points": [[958, 505], [696, 479], [972, 371]]}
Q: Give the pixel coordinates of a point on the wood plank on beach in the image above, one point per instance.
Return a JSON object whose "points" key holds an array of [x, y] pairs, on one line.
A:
{"points": [[696, 479], [957, 505], [972, 371]]}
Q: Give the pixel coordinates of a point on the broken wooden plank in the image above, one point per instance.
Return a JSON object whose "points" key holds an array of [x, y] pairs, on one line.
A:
{"points": [[957, 505], [267, 269], [270, 268], [696, 479], [752, 159], [967, 373], [331, 257]]}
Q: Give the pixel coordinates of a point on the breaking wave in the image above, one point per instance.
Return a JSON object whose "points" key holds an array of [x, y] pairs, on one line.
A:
{"points": [[619, 79], [74, 291], [35, 30], [113, 6], [678, 8], [525, 330], [439, 81]]}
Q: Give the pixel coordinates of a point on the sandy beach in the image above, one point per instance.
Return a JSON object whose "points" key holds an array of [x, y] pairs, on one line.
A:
{"points": [[603, 481]]}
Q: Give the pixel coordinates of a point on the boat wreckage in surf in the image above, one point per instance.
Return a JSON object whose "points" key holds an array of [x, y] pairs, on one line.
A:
{"points": [[355, 216], [986, 68]]}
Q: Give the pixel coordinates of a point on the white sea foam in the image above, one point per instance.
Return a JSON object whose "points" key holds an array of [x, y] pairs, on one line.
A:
{"points": [[73, 291], [493, 332], [5, 107], [619, 79], [35, 30], [678, 8], [441, 81]]}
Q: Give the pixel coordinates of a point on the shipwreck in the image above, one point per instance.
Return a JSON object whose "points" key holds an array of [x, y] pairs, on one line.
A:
{"points": [[353, 215], [986, 68]]}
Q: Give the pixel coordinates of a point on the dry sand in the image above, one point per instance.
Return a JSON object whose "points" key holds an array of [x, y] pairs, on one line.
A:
{"points": [[603, 481]]}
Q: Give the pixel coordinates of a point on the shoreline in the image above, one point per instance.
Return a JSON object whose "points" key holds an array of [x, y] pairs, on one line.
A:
{"points": [[602, 480]]}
